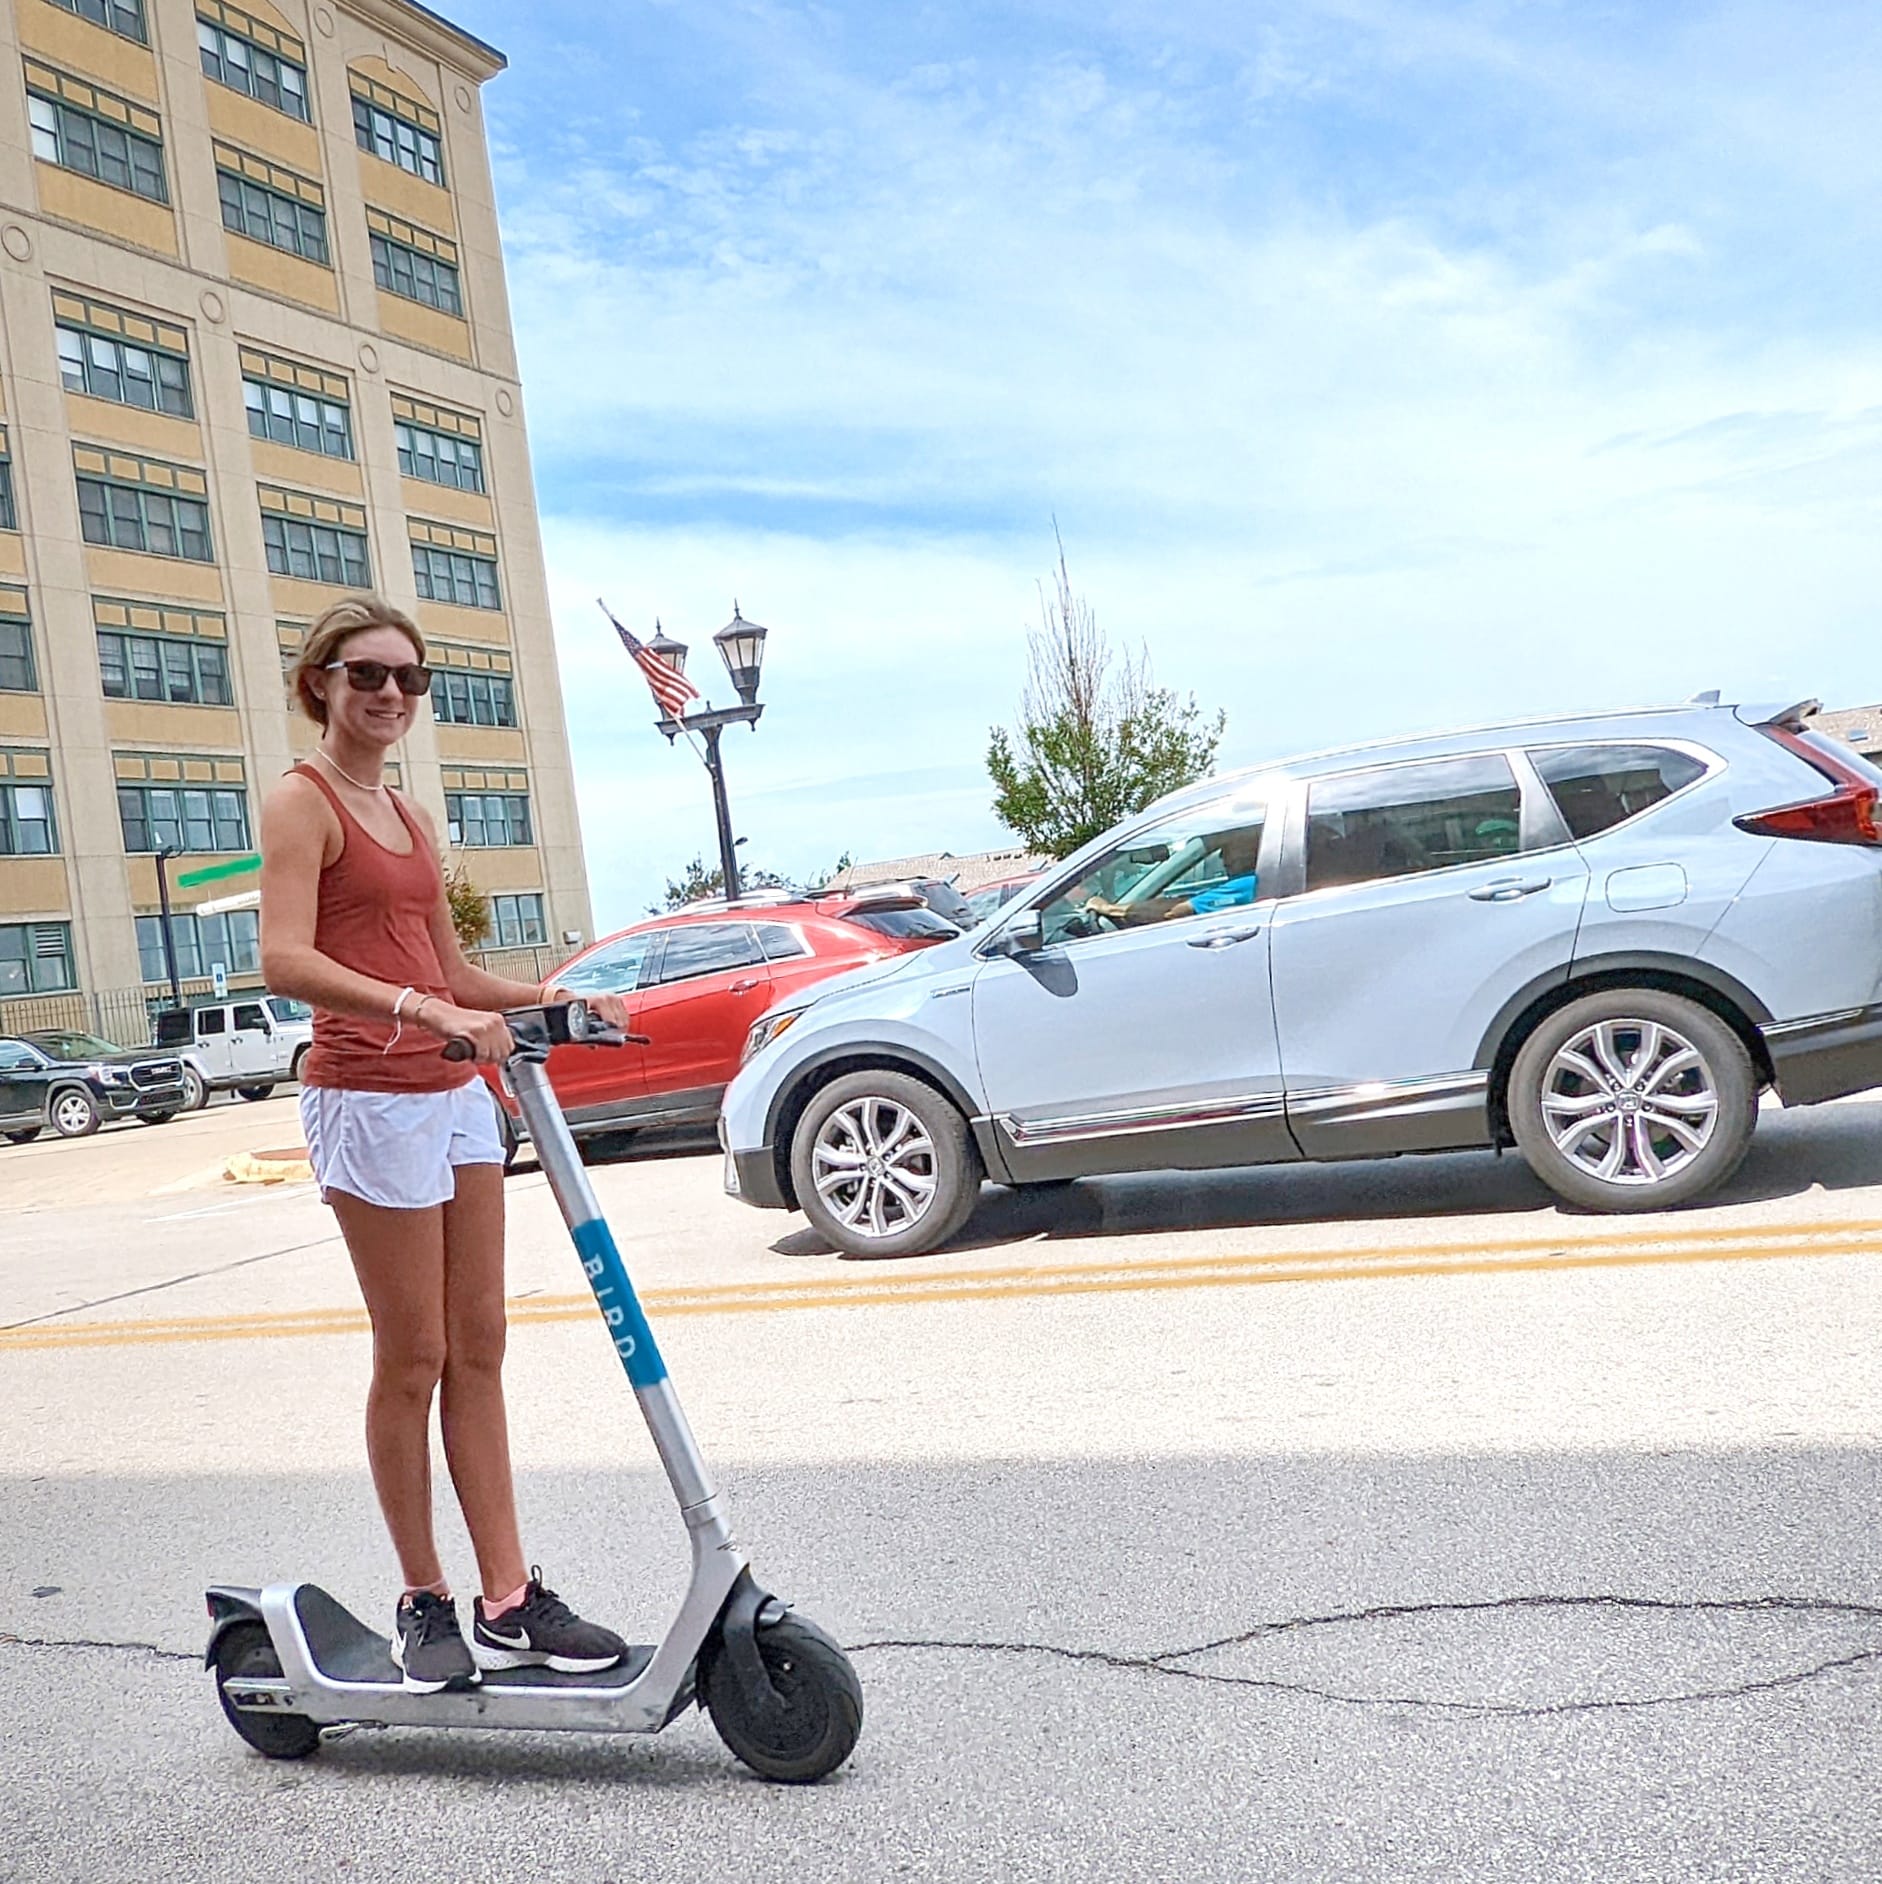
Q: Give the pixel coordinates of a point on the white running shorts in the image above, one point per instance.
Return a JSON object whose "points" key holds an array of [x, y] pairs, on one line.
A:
{"points": [[398, 1149]]}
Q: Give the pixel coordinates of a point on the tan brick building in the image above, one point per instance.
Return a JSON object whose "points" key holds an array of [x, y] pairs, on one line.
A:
{"points": [[255, 351]]}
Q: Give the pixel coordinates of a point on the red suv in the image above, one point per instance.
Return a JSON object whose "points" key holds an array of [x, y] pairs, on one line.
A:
{"points": [[696, 981]]}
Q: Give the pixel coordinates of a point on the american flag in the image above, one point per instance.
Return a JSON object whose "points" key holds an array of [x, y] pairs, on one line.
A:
{"points": [[671, 690]]}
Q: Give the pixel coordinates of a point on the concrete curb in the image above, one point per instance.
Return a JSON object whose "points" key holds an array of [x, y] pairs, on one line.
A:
{"points": [[288, 1166]]}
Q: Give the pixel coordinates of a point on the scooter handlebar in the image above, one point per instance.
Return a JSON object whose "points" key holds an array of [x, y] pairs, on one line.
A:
{"points": [[562, 1024]]}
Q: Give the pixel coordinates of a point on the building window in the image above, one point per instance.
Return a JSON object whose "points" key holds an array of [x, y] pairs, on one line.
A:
{"points": [[35, 958], [230, 59], [271, 216], [516, 921], [183, 817], [451, 576], [123, 17], [9, 517], [232, 939], [398, 140], [156, 667], [95, 147], [103, 367], [26, 827], [316, 552], [292, 417], [130, 517], [439, 458], [16, 656], [461, 699], [422, 278], [487, 820]]}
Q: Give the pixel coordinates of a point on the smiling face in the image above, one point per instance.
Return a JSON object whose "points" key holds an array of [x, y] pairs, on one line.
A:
{"points": [[369, 719]]}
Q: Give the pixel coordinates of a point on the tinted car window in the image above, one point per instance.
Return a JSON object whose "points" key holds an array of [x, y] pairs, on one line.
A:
{"points": [[1401, 820], [212, 1020], [249, 1016], [1597, 787], [907, 924], [707, 948], [15, 1058], [781, 942], [613, 968]]}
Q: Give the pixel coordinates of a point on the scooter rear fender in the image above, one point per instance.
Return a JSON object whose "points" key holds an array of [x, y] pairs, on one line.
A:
{"points": [[228, 1605]]}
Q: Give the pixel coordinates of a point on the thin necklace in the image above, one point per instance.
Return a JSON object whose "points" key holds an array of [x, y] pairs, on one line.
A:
{"points": [[320, 752]]}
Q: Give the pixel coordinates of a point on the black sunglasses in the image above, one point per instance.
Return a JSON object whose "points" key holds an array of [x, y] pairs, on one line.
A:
{"points": [[370, 676]]}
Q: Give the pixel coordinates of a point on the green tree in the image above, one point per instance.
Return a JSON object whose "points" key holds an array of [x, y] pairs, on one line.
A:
{"points": [[470, 907], [695, 883], [1097, 738]]}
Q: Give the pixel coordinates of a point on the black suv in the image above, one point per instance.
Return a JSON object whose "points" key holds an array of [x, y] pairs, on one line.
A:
{"points": [[73, 1082]]}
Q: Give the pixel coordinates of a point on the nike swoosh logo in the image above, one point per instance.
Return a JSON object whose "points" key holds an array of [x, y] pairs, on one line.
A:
{"points": [[519, 1640]]}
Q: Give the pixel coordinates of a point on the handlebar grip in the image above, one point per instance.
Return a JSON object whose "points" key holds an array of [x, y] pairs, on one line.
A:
{"points": [[459, 1049]]}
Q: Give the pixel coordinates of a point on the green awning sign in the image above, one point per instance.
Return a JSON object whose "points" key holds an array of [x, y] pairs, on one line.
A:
{"points": [[214, 873]]}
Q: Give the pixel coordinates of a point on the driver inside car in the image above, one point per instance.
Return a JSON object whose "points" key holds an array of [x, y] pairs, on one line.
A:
{"points": [[1238, 850]]}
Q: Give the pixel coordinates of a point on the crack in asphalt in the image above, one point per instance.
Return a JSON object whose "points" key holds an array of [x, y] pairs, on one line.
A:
{"points": [[172, 1282], [1168, 1663]]}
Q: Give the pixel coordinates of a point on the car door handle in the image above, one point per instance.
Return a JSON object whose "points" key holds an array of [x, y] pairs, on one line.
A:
{"points": [[742, 987], [1509, 889], [1224, 938]]}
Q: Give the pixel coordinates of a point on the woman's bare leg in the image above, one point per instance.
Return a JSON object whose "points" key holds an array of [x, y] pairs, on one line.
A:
{"points": [[398, 1256], [476, 1424]]}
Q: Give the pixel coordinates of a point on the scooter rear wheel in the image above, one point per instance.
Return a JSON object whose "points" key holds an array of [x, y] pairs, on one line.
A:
{"points": [[813, 1727], [244, 1649]]}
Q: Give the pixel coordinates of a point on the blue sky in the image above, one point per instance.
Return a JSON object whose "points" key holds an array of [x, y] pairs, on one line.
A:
{"points": [[1385, 365]]}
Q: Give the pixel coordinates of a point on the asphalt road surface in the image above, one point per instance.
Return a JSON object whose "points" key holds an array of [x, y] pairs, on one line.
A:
{"points": [[1378, 1523]]}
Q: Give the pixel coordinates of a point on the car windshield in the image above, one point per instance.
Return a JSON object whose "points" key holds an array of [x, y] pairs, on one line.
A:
{"points": [[60, 1044], [285, 1009]]}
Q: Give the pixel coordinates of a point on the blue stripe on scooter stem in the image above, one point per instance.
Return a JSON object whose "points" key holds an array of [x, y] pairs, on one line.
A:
{"points": [[620, 1306]]}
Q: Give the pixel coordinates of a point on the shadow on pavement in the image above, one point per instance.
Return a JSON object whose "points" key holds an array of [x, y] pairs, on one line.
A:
{"points": [[1831, 1148]]}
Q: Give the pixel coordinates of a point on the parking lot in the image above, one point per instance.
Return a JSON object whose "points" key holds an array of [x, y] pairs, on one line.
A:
{"points": [[1379, 1520]]}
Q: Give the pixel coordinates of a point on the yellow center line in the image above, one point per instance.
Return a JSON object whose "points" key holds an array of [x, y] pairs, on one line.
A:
{"points": [[904, 1290]]}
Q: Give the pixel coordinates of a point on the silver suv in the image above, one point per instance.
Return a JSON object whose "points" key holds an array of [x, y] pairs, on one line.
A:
{"points": [[1595, 939]]}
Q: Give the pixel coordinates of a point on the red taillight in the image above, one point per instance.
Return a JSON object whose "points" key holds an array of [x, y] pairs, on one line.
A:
{"points": [[1846, 815]]}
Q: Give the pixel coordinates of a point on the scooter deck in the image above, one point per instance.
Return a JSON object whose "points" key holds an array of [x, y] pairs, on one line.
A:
{"points": [[345, 1650]]}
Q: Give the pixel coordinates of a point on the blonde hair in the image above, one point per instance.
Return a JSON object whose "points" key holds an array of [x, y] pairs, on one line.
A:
{"points": [[332, 631]]}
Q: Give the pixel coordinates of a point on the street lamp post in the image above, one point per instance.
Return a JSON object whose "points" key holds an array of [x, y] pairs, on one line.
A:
{"points": [[741, 646], [163, 903]]}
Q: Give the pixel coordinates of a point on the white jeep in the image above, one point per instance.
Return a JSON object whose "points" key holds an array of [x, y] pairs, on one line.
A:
{"points": [[247, 1045]]}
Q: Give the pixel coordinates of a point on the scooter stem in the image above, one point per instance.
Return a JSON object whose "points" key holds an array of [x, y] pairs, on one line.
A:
{"points": [[614, 1292]]}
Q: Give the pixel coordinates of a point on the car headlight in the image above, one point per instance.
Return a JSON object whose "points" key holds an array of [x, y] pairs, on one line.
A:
{"points": [[114, 1075], [768, 1029]]}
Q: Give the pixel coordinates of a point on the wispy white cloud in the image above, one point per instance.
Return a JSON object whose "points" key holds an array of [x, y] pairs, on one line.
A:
{"points": [[1385, 364]]}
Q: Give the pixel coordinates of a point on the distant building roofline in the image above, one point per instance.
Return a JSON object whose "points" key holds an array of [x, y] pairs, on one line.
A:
{"points": [[436, 34]]}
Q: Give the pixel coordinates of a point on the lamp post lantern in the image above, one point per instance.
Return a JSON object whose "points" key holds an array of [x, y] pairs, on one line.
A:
{"points": [[741, 646]]}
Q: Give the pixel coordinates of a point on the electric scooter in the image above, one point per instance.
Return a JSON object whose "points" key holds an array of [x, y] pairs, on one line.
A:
{"points": [[289, 1660]]}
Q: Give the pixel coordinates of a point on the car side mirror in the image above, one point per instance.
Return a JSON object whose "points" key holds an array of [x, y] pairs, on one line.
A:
{"points": [[1024, 934]]}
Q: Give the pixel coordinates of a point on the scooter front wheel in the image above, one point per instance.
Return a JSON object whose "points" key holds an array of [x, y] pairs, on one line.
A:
{"points": [[245, 1649], [811, 1725]]}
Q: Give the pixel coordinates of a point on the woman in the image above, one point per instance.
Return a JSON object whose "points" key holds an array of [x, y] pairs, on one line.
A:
{"points": [[404, 1143]]}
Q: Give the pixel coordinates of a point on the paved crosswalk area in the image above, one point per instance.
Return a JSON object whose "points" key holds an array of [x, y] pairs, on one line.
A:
{"points": [[1371, 1523]]}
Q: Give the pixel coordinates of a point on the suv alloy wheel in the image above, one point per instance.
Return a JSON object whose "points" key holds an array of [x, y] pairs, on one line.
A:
{"points": [[73, 1112], [883, 1165], [195, 1089], [1632, 1099]]}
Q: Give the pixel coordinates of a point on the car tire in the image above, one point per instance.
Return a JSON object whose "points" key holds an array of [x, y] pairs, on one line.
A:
{"points": [[155, 1118], [195, 1090], [72, 1112], [26, 1137], [927, 1176], [256, 1092], [1633, 1099]]}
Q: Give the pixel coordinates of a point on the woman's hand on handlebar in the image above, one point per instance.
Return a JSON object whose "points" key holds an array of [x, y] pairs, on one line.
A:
{"points": [[610, 1009], [487, 1034]]}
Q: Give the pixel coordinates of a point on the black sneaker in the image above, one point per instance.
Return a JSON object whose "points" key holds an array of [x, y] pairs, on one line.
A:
{"points": [[542, 1632], [429, 1646]]}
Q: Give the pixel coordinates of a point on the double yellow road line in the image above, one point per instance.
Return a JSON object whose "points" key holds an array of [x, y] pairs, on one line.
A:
{"points": [[903, 1287]]}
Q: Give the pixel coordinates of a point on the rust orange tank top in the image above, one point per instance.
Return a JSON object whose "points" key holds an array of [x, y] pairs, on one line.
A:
{"points": [[375, 917]]}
